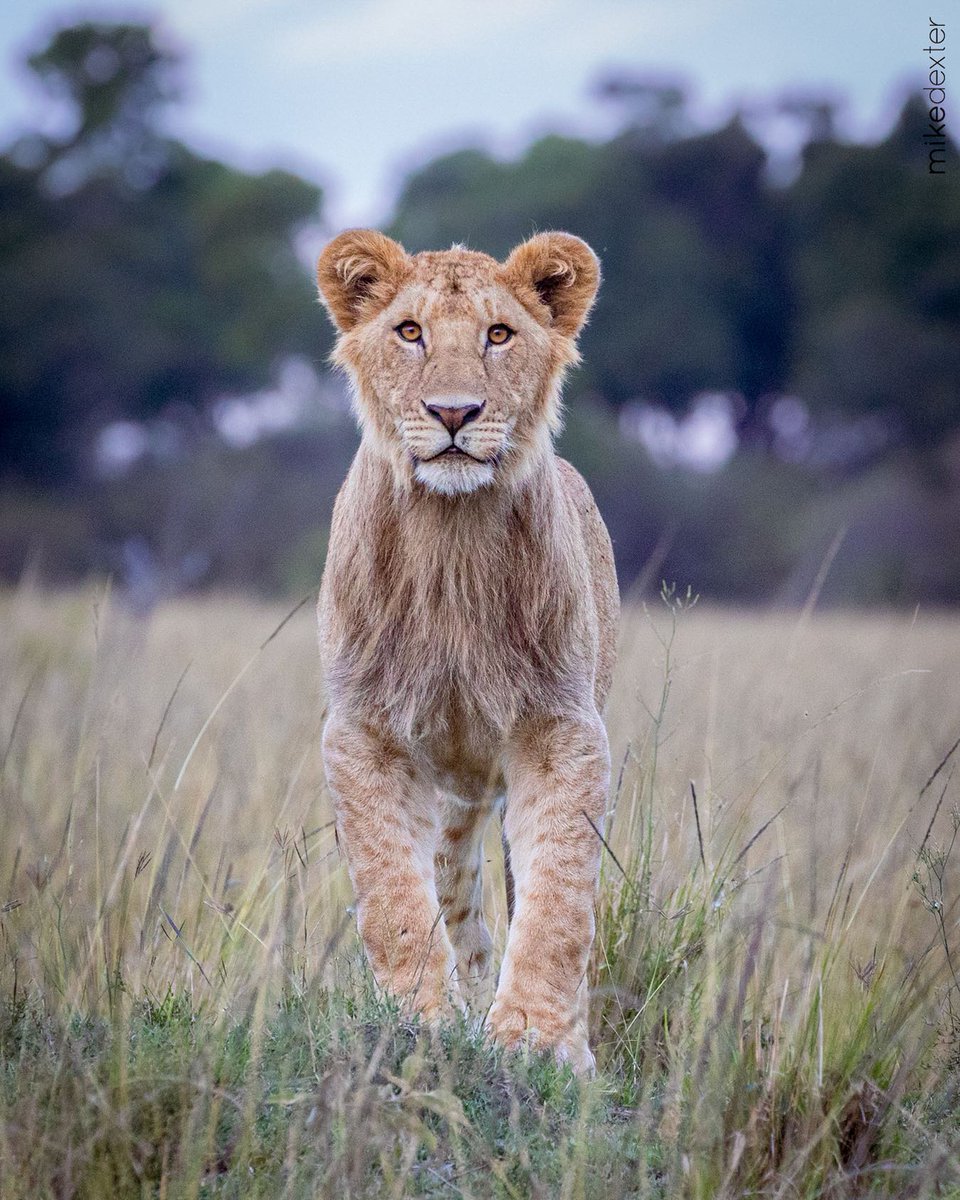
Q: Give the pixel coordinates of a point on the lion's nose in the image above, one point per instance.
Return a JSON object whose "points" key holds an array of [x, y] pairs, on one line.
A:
{"points": [[454, 416]]}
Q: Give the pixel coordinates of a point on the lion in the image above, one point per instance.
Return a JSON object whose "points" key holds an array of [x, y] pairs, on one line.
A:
{"points": [[468, 618]]}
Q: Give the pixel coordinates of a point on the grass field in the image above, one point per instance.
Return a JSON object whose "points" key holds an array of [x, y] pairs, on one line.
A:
{"points": [[184, 1011]]}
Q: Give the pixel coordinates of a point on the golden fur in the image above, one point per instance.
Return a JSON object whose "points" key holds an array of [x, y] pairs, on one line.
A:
{"points": [[468, 620]]}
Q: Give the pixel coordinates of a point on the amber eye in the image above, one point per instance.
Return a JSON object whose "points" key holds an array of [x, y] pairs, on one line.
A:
{"points": [[410, 331], [498, 334]]}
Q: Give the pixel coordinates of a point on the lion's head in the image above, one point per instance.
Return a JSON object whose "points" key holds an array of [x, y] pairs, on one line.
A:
{"points": [[456, 359]]}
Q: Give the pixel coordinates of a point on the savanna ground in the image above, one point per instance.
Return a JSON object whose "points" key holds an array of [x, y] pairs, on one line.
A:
{"points": [[184, 1011]]}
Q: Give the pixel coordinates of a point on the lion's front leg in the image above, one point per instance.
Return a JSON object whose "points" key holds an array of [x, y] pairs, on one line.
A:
{"points": [[557, 772], [387, 818]]}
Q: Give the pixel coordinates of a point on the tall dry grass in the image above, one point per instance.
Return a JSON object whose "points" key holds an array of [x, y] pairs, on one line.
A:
{"points": [[185, 1011]]}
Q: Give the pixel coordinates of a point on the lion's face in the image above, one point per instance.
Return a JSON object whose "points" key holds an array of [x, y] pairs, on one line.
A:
{"points": [[457, 358]]}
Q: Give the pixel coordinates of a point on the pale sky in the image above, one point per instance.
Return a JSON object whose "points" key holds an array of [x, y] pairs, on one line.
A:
{"points": [[351, 93]]}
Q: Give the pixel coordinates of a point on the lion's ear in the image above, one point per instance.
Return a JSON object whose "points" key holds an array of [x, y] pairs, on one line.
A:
{"points": [[558, 271], [359, 273]]}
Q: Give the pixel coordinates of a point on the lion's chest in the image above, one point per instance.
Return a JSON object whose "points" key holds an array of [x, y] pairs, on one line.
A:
{"points": [[452, 666], [452, 655]]}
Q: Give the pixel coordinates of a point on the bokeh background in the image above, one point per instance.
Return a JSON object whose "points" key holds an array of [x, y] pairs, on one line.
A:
{"points": [[769, 405]]}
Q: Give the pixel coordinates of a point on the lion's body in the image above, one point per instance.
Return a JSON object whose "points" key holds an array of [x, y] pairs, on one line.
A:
{"points": [[468, 620], [467, 611]]}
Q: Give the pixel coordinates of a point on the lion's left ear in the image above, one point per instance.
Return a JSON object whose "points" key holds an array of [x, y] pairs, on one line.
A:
{"points": [[559, 272]]}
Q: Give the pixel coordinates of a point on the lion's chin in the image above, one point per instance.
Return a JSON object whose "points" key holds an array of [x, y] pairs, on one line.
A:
{"points": [[454, 476]]}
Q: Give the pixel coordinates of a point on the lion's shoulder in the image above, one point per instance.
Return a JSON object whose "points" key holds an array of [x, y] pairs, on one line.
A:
{"points": [[574, 484]]}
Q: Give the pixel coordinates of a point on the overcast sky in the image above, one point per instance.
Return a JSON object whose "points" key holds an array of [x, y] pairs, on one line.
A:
{"points": [[353, 92]]}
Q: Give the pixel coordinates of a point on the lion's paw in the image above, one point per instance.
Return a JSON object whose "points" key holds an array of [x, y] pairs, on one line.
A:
{"points": [[516, 1029]]}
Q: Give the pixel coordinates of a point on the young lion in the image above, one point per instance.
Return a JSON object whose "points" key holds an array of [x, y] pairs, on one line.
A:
{"points": [[468, 618]]}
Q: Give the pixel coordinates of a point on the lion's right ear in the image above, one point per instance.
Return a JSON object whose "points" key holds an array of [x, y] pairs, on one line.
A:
{"points": [[359, 273]]}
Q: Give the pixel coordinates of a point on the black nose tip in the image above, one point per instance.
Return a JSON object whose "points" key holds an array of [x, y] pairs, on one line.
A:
{"points": [[454, 418]]}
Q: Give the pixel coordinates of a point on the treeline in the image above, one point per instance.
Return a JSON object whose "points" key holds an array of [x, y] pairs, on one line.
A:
{"points": [[841, 287], [137, 279], [141, 282]]}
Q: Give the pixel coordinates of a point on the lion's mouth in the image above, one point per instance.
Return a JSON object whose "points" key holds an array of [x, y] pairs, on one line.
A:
{"points": [[454, 452]]}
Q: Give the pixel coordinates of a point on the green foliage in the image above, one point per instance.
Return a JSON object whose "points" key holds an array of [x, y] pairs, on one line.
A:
{"points": [[131, 294], [142, 281], [113, 80], [876, 252]]}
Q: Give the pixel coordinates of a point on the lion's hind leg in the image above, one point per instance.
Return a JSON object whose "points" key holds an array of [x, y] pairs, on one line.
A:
{"points": [[459, 873]]}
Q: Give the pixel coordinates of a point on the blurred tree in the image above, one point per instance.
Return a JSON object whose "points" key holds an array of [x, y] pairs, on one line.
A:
{"points": [[136, 277], [697, 297], [655, 108], [817, 114], [875, 248], [113, 81]]}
